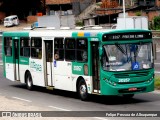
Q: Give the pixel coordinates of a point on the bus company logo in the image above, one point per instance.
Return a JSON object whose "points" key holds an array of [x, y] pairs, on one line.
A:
{"points": [[77, 68], [35, 66], [23, 60]]}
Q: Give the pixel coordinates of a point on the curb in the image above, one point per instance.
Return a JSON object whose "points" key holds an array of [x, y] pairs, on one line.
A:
{"points": [[156, 91]]}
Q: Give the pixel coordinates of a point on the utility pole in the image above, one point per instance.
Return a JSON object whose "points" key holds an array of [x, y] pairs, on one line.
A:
{"points": [[124, 13]]}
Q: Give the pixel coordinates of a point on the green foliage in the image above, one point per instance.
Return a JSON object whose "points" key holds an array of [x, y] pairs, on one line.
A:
{"points": [[99, 3], [157, 83], [138, 13], [156, 22], [79, 23]]}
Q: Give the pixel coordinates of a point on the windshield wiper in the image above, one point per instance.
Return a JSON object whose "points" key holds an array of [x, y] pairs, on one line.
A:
{"points": [[120, 48]]}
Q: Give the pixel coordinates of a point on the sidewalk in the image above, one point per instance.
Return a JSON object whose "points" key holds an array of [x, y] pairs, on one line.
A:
{"points": [[9, 104]]}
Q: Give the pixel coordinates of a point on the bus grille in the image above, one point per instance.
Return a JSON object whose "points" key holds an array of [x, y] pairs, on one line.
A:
{"points": [[135, 74], [131, 82]]}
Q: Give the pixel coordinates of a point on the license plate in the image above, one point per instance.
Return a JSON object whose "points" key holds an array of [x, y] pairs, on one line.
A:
{"points": [[132, 89]]}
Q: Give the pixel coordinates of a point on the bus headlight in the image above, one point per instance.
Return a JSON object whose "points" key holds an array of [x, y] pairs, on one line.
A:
{"points": [[111, 83], [151, 79]]}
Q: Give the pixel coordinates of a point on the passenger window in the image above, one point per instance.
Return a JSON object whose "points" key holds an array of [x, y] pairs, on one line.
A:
{"points": [[36, 47], [82, 50], [70, 49], [25, 46], [8, 46], [59, 48]]}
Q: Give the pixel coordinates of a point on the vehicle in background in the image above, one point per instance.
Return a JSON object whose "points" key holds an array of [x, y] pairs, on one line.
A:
{"points": [[11, 21]]}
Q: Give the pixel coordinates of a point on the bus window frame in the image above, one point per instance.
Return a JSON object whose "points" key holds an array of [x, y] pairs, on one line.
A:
{"points": [[29, 39], [81, 50], [40, 39], [70, 49], [59, 48], [8, 46]]}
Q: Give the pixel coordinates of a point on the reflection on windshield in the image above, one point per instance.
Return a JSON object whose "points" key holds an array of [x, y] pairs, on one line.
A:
{"points": [[122, 57]]}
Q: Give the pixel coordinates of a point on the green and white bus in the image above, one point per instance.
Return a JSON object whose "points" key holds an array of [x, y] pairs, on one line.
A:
{"points": [[102, 62]]}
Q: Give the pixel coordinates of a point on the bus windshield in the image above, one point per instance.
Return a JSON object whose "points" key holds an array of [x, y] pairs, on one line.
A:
{"points": [[124, 57]]}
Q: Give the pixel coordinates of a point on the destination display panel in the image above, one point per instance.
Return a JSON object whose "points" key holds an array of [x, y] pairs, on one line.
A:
{"points": [[127, 36]]}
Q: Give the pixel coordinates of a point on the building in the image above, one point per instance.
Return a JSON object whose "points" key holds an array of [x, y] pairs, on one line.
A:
{"points": [[110, 10], [22, 8], [27, 9], [64, 7]]}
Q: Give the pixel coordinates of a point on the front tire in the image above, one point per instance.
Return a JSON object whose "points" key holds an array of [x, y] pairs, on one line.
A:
{"points": [[29, 82], [82, 90]]}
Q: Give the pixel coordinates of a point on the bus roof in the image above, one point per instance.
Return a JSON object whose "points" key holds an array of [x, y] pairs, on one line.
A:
{"points": [[67, 33]]}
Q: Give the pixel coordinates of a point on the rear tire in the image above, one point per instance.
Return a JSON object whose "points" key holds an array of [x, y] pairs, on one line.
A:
{"points": [[82, 90], [29, 82]]}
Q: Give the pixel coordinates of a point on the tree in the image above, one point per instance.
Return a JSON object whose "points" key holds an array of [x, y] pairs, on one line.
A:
{"points": [[156, 23]]}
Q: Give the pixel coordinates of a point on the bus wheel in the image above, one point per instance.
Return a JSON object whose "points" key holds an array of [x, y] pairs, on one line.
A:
{"points": [[82, 90], [29, 82], [128, 96]]}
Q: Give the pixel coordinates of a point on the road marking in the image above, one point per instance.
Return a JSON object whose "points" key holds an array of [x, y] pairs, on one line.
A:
{"points": [[100, 118], [70, 110], [59, 108], [22, 99]]}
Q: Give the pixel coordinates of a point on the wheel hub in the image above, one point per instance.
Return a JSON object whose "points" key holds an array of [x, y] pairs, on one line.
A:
{"points": [[83, 89]]}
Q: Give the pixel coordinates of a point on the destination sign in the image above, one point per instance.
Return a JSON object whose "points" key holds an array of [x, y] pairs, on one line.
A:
{"points": [[127, 36]]}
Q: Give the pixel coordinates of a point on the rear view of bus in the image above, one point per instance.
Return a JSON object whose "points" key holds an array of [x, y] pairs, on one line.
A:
{"points": [[127, 65]]}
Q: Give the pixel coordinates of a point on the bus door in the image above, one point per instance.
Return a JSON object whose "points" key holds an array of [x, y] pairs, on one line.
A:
{"points": [[16, 58], [95, 66], [48, 62]]}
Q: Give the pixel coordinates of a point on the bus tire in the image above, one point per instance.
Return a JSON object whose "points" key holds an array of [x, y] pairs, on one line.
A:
{"points": [[29, 82], [82, 90], [128, 96]]}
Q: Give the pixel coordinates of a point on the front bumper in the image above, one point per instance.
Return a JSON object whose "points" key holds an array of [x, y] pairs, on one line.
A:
{"points": [[120, 89]]}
